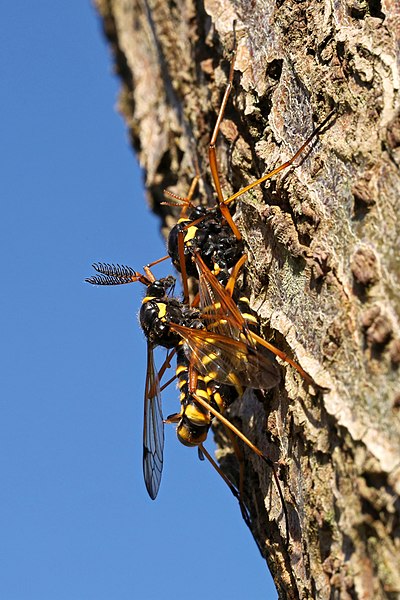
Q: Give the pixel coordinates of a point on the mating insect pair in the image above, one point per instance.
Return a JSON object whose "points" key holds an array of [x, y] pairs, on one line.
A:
{"points": [[218, 347], [219, 353], [216, 358]]}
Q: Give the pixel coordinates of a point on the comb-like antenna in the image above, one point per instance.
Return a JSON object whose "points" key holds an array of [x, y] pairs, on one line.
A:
{"points": [[106, 280], [115, 275], [114, 270]]}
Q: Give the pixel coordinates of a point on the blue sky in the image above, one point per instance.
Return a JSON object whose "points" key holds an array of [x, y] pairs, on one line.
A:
{"points": [[76, 522]]}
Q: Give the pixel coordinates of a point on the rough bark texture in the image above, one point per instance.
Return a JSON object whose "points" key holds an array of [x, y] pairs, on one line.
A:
{"points": [[323, 243]]}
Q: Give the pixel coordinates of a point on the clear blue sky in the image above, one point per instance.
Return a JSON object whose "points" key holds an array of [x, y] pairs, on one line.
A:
{"points": [[75, 520]]}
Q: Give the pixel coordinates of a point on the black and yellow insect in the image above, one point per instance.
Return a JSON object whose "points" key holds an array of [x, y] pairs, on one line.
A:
{"points": [[214, 352], [193, 420], [218, 347], [229, 349], [212, 231], [206, 232], [158, 310]]}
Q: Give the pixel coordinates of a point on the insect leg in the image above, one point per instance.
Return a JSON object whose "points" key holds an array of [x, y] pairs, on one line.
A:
{"points": [[166, 365], [285, 165], [230, 286], [254, 448], [182, 262], [147, 268], [212, 155], [240, 459], [286, 358], [165, 385], [237, 493]]}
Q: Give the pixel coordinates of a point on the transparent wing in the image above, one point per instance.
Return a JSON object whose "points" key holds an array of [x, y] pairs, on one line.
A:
{"points": [[153, 429], [227, 360], [219, 311], [222, 316]]}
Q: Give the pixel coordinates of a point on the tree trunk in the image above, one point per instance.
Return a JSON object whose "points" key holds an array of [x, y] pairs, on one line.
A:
{"points": [[323, 244]]}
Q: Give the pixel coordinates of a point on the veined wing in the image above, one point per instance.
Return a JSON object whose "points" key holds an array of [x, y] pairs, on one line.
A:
{"points": [[219, 310], [227, 360], [221, 315], [153, 429]]}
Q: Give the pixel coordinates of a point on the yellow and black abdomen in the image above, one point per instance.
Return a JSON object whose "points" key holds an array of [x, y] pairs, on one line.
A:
{"points": [[250, 315], [194, 419]]}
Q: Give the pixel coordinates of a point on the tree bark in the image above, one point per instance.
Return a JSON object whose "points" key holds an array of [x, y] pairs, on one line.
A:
{"points": [[323, 243]]}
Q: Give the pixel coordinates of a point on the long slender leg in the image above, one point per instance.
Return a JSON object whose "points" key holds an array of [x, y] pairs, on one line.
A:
{"points": [[254, 448], [212, 155], [167, 383], [230, 286], [166, 365], [211, 150], [147, 268], [192, 190], [286, 358], [232, 313], [182, 262], [281, 167], [240, 459], [235, 492]]}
